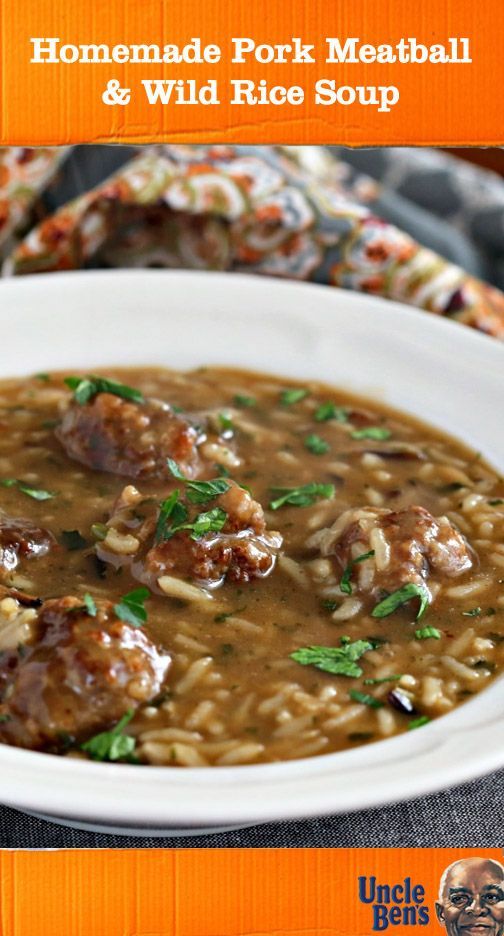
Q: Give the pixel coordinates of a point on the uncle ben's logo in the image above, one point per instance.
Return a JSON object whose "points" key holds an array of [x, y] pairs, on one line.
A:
{"points": [[470, 902]]}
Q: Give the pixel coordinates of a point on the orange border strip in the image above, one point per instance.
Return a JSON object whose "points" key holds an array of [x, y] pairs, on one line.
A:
{"points": [[449, 104], [209, 892]]}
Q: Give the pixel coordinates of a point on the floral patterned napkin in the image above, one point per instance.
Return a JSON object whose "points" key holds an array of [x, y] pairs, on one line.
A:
{"points": [[282, 212]]}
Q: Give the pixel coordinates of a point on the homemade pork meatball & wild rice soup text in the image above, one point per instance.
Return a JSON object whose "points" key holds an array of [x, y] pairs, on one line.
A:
{"points": [[221, 568]]}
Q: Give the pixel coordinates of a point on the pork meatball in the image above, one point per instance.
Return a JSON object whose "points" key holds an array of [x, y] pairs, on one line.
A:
{"points": [[112, 434], [75, 675], [240, 550], [20, 539], [409, 545]]}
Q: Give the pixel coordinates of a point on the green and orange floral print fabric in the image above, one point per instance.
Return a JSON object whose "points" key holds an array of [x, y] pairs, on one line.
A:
{"points": [[256, 209]]}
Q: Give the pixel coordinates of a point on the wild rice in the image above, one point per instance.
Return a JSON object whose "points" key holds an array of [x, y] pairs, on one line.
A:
{"points": [[195, 673], [460, 669], [176, 588]]}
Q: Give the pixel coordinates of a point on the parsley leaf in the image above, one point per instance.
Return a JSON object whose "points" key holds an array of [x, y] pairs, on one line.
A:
{"points": [[400, 597], [175, 470], [288, 397], [199, 492], [242, 400], [423, 633], [210, 522], [111, 745], [384, 679], [302, 496], [372, 432], [170, 509], [315, 444], [131, 607], [225, 423], [496, 502], [328, 411], [330, 605], [36, 493], [85, 388], [345, 583], [474, 613], [174, 511], [341, 661], [90, 604], [365, 699], [99, 530], [418, 722]]}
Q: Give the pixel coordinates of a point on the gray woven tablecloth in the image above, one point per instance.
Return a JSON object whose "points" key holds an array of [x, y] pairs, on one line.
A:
{"points": [[468, 816], [415, 195]]}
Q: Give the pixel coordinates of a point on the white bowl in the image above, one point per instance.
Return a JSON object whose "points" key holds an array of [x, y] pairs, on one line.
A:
{"points": [[437, 370]]}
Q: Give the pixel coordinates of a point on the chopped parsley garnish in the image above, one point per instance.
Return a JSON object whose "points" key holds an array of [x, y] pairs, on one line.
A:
{"points": [[365, 699], [377, 433], [225, 422], [85, 388], [111, 745], [199, 492], [99, 530], [316, 445], [328, 411], [242, 400], [222, 471], [475, 612], [90, 604], [210, 522], [302, 496], [171, 510], [36, 493], [340, 661], [345, 583], [378, 682], [173, 517], [72, 540], [289, 397], [330, 605], [400, 597], [423, 633], [42, 377], [175, 470], [131, 607], [496, 502], [418, 722]]}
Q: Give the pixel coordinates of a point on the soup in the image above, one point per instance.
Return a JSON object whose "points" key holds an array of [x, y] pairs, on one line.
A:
{"points": [[221, 567]]}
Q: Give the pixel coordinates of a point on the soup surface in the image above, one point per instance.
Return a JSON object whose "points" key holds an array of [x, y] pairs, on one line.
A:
{"points": [[220, 567]]}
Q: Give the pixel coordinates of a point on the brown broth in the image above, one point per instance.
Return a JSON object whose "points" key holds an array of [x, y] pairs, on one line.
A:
{"points": [[234, 694]]}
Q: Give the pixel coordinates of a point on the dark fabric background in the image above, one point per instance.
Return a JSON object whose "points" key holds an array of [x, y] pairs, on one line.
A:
{"points": [[469, 816]]}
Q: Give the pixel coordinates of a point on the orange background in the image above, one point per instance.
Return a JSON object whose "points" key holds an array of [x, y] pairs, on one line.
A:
{"points": [[208, 892], [440, 104]]}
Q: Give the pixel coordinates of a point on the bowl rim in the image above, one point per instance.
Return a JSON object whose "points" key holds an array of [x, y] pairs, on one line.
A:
{"points": [[190, 797]]}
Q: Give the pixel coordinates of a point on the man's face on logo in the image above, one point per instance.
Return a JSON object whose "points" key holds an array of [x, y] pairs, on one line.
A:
{"points": [[472, 899]]}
